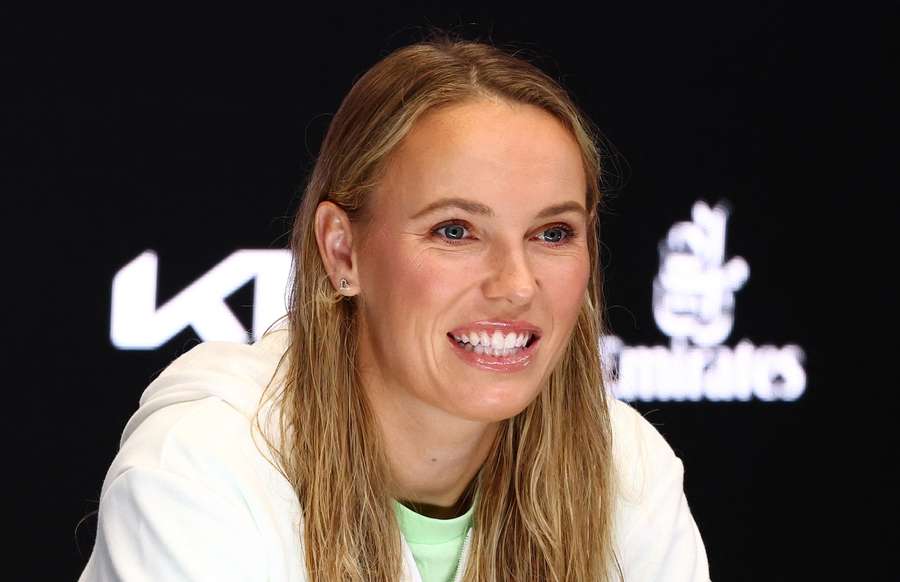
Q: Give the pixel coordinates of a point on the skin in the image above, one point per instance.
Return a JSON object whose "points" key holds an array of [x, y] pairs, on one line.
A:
{"points": [[438, 414]]}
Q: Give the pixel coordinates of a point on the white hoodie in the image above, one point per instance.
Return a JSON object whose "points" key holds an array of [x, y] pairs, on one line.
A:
{"points": [[190, 495]]}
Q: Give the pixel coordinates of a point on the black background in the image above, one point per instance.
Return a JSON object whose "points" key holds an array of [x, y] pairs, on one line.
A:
{"points": [[190, 134]]}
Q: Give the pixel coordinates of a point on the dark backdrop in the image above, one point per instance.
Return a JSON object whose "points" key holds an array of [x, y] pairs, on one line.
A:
{"points": [[190, 135]]}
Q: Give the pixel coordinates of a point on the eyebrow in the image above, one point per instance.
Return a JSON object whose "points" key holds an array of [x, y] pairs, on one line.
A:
{"points": [[473, 207]]}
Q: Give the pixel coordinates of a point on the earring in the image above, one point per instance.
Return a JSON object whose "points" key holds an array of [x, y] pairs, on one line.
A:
{"points": [[344, 284]]}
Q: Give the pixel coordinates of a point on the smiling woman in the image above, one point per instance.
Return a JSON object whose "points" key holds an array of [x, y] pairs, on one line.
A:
{"points": [[434, 408]]}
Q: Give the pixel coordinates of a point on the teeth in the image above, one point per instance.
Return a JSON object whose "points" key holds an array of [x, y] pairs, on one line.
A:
{"points": [[497, 341], [493, 351], [494, 344]]}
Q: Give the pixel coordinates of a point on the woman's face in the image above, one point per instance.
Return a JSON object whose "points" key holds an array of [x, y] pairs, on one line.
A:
{"points": [[512, 251]]}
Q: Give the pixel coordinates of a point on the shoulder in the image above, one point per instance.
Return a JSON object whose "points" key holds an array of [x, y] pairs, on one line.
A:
{"points": [[198, 417], [179, 500], [638, 446], [194, 491], [196, 438], [194, 475], [642, 458], [654, 530]]}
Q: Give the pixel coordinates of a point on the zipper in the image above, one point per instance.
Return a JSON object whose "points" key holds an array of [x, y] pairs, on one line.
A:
{"points": [[461, 567]]}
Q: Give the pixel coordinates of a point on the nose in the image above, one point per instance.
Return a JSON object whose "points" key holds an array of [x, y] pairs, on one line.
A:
{"points": [[512, 278]]}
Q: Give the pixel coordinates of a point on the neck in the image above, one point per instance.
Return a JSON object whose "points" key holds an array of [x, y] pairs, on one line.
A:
{"points": [[433, 456]]}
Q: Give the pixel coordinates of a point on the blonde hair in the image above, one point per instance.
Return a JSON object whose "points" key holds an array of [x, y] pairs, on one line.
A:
{"points": [[545, 491]]}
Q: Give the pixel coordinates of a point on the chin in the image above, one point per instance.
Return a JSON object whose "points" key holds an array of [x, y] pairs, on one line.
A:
{"points": [[495, 409]]}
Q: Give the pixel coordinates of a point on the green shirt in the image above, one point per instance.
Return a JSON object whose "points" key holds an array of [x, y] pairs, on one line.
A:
{"points": [[436, 544]]}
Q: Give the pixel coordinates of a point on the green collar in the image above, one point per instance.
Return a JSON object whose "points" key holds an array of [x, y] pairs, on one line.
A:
{"points": [[421, 529]]}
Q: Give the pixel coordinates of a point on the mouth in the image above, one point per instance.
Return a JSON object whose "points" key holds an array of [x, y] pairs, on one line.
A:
{"points": [[486, 356]]}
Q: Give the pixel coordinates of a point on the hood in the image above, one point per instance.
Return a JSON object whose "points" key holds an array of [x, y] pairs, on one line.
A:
{"points": [[237, 373]]}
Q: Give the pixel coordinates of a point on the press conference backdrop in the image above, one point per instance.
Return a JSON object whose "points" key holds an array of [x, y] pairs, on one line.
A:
{"points": [[160, 169]]}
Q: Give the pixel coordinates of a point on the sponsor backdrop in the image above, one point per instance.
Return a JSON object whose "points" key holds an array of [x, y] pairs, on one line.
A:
{"points": [[159, 168]]}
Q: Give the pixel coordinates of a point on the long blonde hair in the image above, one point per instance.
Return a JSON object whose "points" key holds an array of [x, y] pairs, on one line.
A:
{"points": [[545, 491]]}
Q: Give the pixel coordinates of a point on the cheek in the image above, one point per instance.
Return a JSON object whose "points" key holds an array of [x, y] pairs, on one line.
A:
{"points": [[416, 283], [430, 282], [565, 283]]}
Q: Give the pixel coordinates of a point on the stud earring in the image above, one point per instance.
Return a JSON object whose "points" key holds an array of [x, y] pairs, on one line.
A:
{"points": [[344, 284]]}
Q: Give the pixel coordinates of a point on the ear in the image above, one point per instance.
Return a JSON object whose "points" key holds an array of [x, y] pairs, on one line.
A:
{"points": [[335, 239]]}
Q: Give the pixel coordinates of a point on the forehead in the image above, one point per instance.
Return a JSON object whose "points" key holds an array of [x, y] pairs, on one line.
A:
{"points": [[494, 151]]}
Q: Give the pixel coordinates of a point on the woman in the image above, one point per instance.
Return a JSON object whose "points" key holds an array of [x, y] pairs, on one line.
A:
{"points": [[433, 408]]}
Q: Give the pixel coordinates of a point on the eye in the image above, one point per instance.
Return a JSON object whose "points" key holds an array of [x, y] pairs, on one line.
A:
{"points": [[454, 233], [566, 233]]}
